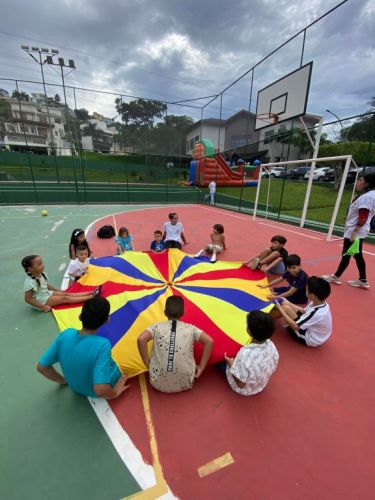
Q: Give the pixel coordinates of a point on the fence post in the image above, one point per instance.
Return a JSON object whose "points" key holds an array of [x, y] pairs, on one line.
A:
{"points": [[339, 197]]}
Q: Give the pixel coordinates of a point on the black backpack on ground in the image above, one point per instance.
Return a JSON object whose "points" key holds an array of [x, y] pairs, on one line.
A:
{"points": [[106, 232]]}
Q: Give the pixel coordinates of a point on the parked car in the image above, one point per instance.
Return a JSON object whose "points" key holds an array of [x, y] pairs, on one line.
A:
{"points": [[329, 175], [318, 174], [297, 173], [273, 172]]}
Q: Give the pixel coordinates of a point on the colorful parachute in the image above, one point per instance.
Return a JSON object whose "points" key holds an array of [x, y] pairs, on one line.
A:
{"points": [[217, 298]]}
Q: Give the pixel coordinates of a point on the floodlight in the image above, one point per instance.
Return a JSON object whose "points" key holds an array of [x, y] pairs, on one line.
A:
{"points": [[25, 47], [35, 49], [54, 51], [71, 63], [45, 51], [61, 61]]}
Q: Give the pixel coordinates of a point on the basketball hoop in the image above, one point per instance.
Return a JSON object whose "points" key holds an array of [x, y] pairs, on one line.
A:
{"points": [[270, 118]]}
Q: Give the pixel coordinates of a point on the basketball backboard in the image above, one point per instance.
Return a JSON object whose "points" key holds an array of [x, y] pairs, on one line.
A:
{"points": [[285, 99]]}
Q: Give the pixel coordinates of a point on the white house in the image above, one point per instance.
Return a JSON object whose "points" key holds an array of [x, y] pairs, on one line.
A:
{"points": [[210, 128], [34, 127]]}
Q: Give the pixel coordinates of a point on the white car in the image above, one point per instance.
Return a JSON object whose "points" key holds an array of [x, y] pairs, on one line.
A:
{"points": [[318, 174], [273, 172]]}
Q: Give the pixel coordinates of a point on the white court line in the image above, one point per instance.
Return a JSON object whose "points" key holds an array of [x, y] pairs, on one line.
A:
{"points": [[290, 231], [223, 211], [129, 454], [126, 211]]}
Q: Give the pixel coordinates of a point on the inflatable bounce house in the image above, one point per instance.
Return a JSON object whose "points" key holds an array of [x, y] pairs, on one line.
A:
{"points": [[208, 165]]}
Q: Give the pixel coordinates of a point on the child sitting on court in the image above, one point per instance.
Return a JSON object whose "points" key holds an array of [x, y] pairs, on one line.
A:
{"points": [[172, 365], [272, 259], [78, 267], [40, 294], [217, 244], [124, 241], [78, 238], [249, 372], [295, 292], [157, 245], [312, 325], [85, 357]]}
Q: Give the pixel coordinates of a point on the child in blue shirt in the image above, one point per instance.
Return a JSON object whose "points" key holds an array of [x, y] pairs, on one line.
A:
{"points": [[158, 244], [295, 292], [124, 241], [84, 357]]}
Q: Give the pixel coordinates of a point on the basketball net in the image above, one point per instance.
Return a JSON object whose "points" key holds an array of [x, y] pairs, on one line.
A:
{"points": [[270, 118]]}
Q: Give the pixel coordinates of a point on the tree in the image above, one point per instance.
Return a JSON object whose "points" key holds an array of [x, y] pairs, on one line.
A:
{"points": [[363, 153], [297, 138], [168, 136], [21, 96], [140, 112], [82, 114], [363, 129]]}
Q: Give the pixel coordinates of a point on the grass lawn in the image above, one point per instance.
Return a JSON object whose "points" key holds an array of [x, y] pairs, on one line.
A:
{"points": [[287, 197]]}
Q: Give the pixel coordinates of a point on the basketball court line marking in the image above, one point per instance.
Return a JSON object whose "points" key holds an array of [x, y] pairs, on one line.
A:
{"points": [[150, 478], [290, 231], [136, 210], [215, 465], [129, 454], [160, 489]]}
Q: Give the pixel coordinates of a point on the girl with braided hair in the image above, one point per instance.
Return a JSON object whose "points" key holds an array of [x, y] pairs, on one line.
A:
{"points": [[43, 296]]}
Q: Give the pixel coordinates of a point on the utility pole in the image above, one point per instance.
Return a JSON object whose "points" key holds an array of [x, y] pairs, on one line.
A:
{"points": [[39, 60]]}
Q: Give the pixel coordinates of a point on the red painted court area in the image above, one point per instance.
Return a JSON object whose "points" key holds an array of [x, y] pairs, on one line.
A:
{"points": [[309, 434]]}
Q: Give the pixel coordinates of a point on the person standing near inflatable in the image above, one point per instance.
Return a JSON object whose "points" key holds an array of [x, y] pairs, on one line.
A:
{"points": [[357, 225], [212, 191]]}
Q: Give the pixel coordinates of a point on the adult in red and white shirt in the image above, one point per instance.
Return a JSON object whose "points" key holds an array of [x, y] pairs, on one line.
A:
{"points": [[357, 225]]}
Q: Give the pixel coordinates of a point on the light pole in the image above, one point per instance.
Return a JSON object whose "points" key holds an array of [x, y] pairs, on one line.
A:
{"points": [[39, 51], [62, 65], [341, 125]]}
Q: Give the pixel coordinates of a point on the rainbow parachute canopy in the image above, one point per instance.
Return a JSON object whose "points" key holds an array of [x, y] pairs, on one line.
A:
{"points": [[217, 299]]}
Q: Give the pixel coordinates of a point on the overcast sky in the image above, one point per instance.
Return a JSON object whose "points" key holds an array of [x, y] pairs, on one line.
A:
{"points": [[174, 50]]}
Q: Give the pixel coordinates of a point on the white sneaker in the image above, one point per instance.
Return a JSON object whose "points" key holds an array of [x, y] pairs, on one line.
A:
{"points": [[213, 258], [331, 278], [255, 263], [199, 253], [359, 284]]}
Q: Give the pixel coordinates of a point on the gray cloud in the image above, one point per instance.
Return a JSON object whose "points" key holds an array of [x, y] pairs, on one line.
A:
{"points": [[174, 50]]}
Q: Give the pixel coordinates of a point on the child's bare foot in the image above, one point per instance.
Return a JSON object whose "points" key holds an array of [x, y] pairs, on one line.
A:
{"points": [[47, 309], [255, 263]]}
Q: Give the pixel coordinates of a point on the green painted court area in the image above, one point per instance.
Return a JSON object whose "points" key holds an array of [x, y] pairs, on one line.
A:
{"points": [[52, 444]]}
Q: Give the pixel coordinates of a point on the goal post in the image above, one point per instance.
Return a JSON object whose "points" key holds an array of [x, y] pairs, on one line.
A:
{"points": [[312, 162]]}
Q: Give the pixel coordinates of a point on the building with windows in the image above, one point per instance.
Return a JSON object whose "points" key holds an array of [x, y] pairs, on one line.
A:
{"points": [[29, 125], [210, 128], [279, 144], [236, 137]]}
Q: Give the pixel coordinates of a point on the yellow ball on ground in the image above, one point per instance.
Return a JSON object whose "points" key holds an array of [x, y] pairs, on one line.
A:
{"points": [[44, 213]]}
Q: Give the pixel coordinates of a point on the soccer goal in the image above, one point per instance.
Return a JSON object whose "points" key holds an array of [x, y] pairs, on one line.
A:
{"points": [[292, 171]]}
